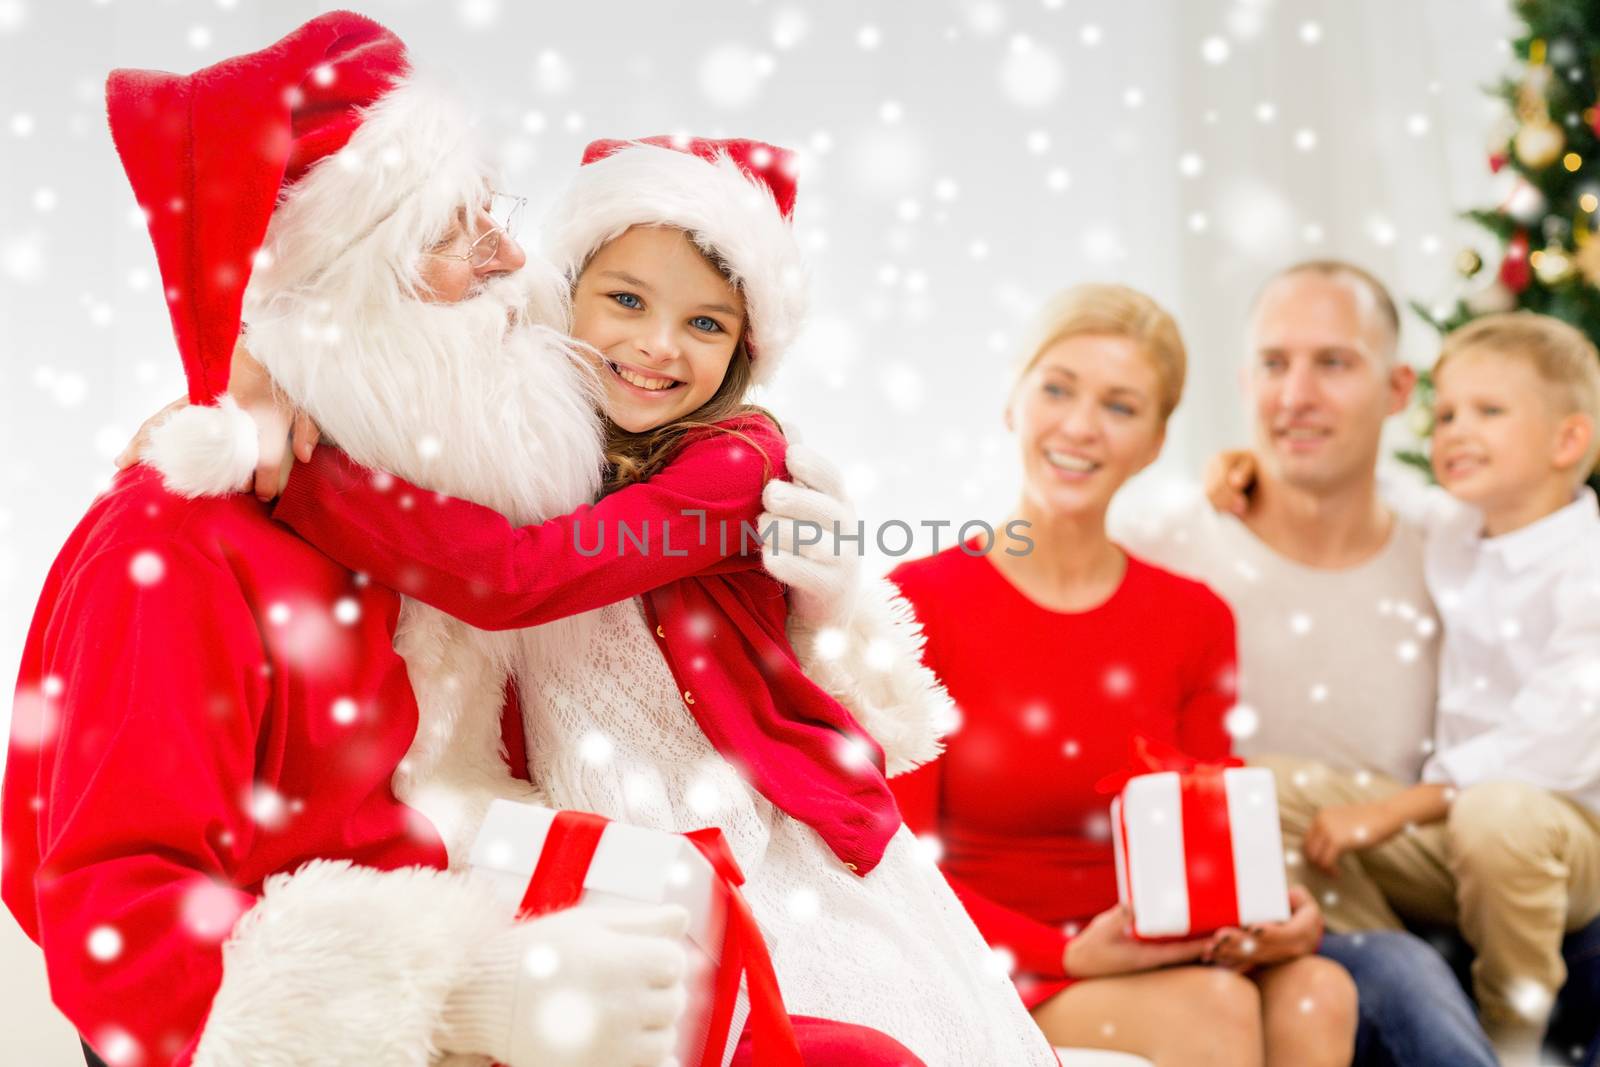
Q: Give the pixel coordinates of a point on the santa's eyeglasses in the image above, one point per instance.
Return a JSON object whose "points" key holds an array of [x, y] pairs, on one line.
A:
{"points": [[503, 211]]}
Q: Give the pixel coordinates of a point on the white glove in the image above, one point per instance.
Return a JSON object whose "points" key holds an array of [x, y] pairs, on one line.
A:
{"points": [[583, 987], [822, 575]]}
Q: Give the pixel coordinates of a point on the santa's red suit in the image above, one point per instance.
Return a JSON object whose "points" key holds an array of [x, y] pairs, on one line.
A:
{"points": [[206, 701]]}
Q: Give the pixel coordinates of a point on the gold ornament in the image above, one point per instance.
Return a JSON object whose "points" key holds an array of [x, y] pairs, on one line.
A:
{"points": [[1468, 262], [1551, 264], [1532, 99], [1587, 261], [1539, 142]]}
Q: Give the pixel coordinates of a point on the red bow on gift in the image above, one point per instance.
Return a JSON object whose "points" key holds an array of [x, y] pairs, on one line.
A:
{"points": [[1157, 757], [557, 883]]}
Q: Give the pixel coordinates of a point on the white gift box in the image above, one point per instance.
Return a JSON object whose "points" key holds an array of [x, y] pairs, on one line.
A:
{"points": [[1157, 880], [631, 866]]}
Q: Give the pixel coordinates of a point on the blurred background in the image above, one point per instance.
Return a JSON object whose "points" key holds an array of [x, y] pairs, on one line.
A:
{"points": [[962, 159]]}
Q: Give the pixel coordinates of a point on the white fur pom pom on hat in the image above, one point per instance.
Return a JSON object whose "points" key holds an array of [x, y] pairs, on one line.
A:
{"points": [[203, 450], [734, 197]]}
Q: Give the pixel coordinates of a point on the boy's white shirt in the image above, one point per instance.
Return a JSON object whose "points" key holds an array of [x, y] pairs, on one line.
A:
{"points": [[1519, 673]]}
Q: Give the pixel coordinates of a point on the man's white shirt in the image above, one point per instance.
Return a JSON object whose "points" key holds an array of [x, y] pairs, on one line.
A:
{"points": [[1334, 665]]}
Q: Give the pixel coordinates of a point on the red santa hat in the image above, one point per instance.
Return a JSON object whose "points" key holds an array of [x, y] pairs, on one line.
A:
{"points": [[735, 198], [324, 136]]}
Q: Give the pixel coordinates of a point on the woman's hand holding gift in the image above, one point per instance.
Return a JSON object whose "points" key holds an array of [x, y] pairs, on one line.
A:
{"points": [[1107, 947], [1269, 943]]}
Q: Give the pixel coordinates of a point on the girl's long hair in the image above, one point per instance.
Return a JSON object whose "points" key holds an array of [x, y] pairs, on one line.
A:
{"points": [[635, 457]]}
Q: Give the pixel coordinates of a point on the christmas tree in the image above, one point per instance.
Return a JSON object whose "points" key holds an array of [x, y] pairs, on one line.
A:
{"points": [[1545, 155]]}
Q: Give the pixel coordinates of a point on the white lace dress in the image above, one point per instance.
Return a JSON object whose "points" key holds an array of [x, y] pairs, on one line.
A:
{"points": [[608, 732]]}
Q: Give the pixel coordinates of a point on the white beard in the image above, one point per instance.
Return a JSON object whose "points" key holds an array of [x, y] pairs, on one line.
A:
{"points": [[481, 400]]}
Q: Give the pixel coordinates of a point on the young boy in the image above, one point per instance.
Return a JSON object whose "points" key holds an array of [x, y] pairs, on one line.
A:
{"points": [[1502, 836]]}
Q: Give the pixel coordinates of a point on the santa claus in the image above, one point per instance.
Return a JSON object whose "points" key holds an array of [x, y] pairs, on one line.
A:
{"points": [[242, 778]]}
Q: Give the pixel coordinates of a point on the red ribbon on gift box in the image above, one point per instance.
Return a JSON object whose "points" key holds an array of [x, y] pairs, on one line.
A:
{"points": [[1207, 835], [557, 883], [1157, 757]]}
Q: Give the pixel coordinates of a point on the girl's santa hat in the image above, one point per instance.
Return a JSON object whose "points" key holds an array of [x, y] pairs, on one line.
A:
{"points": [[325, 137], [735, 198]]}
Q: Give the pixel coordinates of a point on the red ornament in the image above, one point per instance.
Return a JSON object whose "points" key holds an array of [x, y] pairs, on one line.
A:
{"points": [[1515, 271], [1496, 161]]}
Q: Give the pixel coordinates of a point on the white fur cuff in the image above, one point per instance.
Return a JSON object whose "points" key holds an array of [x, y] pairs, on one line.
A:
{"points": [[204, 451], [872, 664], [339, 964]]}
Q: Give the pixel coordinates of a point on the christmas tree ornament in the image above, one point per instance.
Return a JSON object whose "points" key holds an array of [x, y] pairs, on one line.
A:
{"points": [[1587, 262], [1515, 270], [1539, 142], [1522, 201], [1552, 265], [1468, 262]]}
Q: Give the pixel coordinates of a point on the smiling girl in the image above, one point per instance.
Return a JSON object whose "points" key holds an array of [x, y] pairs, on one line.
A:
{"points": [[684, 705]]}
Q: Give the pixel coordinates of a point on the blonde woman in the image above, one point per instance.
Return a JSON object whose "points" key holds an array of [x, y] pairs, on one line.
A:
{"points": [[1060, 647]]}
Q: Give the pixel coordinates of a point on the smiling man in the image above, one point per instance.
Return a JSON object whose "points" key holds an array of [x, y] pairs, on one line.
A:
{"points": [[1336, 633], [1325, 579]]}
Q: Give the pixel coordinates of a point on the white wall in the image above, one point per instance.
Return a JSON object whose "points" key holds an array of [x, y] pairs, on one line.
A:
{"points": [[978, 157]]}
